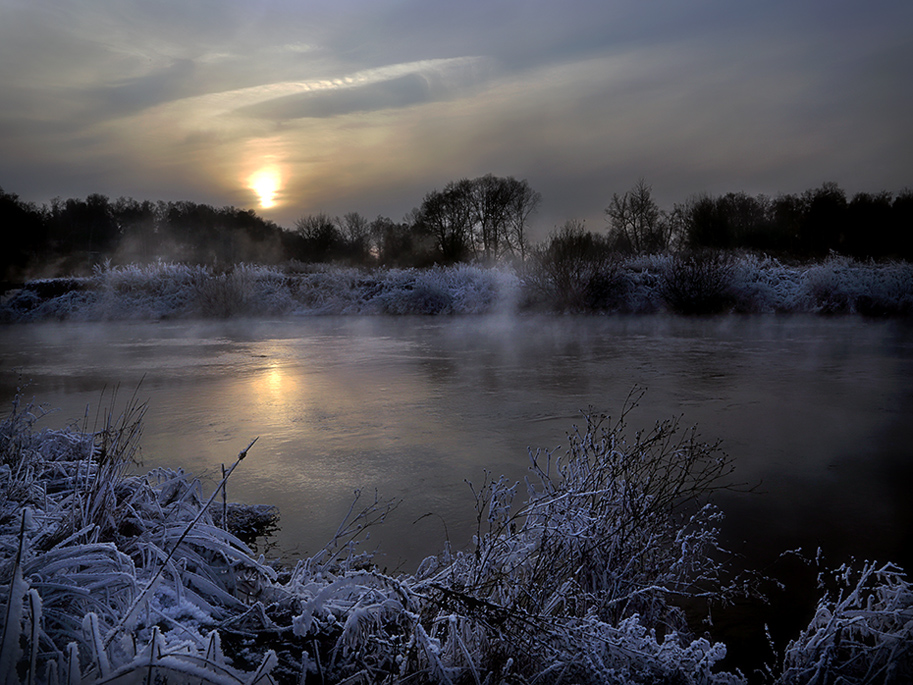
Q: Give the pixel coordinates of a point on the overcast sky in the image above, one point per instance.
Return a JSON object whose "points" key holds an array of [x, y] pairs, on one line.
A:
{"points": [[367, 105]]}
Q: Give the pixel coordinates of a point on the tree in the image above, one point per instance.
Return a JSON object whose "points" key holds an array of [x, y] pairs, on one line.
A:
{"points": [[483, 217], [523, 201], [317, 238], [448, 216], [824, 220], [636, 221], [868, 229], [24, 233], [702, 224], [902, 224], [356, 234], [573, 271], [404, 244]]}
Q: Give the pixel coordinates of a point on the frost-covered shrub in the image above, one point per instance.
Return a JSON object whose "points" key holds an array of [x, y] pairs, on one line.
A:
{"points": [[862, 630], [223, 295], [832, 287], [645, 274], [477, 290], [889, 292], [326, 291], [589, 567], [574, 271], [761, 285], [698, 283], [842, 286], [153, 291], [411, 292]]}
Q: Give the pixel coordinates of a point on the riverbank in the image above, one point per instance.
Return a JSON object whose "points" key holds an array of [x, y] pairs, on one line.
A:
{"points": [[681, 284]]}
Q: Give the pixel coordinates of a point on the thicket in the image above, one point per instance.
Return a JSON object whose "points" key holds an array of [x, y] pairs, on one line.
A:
{"points": [[581, 573]]}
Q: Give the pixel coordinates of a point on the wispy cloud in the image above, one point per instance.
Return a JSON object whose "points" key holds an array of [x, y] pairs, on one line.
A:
{"points": [[383, 83]]}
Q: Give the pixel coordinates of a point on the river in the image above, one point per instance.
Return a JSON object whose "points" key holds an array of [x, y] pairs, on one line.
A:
{"points": [[815, 411]]}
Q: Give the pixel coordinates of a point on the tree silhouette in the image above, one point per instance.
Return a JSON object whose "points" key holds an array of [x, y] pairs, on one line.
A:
{"points": [[24, 235], [317, 239], [448, 216], [636, 222]]}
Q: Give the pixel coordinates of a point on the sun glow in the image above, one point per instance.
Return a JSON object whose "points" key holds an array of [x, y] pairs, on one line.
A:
{"points": [[266, 183]]}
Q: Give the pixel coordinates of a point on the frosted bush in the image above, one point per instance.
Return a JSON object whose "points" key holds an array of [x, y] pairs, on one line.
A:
{"points": [[763, 285], [698, 283], [328, 291], [889, 291], [645, 275], [862, 630], [411, 292]]}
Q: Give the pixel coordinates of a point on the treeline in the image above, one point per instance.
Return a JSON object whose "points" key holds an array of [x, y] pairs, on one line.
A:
{"points": [[807, 226], [810, 225], [485, 219], [70, 236]]}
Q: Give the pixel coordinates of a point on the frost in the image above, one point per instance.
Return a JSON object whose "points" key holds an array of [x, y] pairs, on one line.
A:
{"points": [[683, 283]]}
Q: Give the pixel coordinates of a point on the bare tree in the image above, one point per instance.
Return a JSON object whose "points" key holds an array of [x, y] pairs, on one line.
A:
{"points": [[483, 217], [447, 214], [356, 232], [523, 202], [637, 221], [318, 238]]}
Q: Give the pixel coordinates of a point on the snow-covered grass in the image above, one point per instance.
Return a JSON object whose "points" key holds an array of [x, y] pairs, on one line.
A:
{"points": [[113, 578], [681, 283]]}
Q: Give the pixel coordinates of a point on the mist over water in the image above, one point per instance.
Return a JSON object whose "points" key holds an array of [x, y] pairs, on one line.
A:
{"points": [[815, 409]]}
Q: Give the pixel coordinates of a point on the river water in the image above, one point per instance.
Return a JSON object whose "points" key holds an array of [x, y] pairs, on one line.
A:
{"points": [[818, 411]]}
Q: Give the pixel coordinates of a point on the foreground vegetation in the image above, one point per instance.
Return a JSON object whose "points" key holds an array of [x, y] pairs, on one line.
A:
{"points": [[571, 276], [580, 574]]}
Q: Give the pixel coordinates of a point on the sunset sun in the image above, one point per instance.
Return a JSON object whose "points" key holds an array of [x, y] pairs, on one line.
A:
{"points": [[266, 183]]}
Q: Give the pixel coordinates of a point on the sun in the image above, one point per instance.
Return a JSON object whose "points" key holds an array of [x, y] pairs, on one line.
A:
{"points": [[266, 183]]}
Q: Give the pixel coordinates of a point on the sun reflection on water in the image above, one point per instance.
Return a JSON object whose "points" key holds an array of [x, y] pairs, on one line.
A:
{"points": [[275, 385]]}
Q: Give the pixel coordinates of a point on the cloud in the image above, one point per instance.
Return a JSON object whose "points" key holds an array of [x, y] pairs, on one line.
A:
{"points": [[390, 87], [135, 94], [402, 91]]}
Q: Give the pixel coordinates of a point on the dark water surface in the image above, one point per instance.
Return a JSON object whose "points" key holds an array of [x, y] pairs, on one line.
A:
{"points": [[819, 410]]}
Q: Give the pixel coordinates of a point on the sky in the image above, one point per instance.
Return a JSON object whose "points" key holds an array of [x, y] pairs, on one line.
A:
{"points": [[296, 107]]}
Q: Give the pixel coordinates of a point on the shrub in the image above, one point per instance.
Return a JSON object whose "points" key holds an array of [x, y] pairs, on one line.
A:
{"points": [[575, 271], [698, 283], [862, 630]]}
